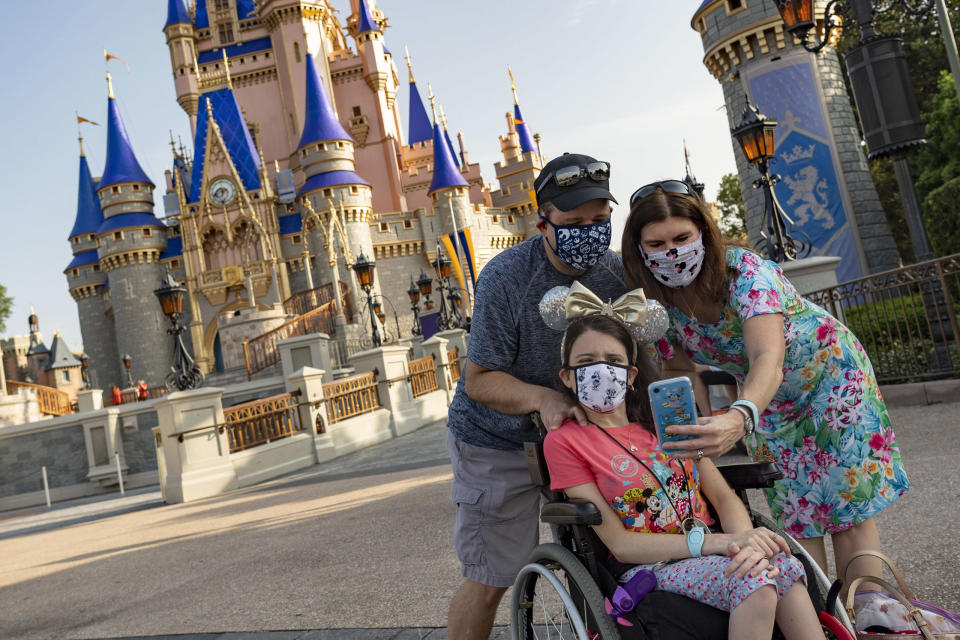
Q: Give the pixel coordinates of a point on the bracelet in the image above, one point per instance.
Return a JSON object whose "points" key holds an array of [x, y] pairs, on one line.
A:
{"points": [[749, 406], [695, 539]]}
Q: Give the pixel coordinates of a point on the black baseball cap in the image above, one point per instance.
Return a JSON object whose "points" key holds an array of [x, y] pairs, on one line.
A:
{"points": [[572, 196]]}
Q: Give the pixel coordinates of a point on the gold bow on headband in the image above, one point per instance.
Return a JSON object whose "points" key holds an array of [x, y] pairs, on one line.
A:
{"points": [[630, 308]]}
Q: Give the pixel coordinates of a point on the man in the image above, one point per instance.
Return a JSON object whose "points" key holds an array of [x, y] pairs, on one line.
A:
{"points": [[512, 369]]}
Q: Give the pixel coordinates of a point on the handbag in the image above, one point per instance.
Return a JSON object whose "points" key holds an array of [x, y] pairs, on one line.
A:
{"points": [[897, 610]]}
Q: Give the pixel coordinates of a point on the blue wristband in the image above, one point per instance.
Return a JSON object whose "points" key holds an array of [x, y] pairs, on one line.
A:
{"points": [[695, 541], [751, 407]]}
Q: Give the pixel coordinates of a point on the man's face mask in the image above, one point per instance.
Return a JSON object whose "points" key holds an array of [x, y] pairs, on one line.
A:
{"points": [[580, 246], [601, 386]]}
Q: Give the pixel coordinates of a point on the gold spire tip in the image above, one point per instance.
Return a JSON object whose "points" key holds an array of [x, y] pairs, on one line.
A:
{"points": [[433, 102], [443, 117], [513, 85], [406, 56], [109, 86]]}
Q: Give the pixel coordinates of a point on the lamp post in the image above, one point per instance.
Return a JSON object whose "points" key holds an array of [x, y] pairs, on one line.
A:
{"points": [[127, 360], [755, 136], [882, 91], [450, 301], [414, 294], [84, 363], [184, 373], [364, 267], [425, 284]]}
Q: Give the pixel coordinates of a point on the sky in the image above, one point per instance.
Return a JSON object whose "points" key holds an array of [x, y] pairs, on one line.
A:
{"points": [[621, 80]]}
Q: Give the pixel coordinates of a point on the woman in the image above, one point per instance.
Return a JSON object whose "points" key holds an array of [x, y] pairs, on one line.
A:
{"points": [[821, 416]]}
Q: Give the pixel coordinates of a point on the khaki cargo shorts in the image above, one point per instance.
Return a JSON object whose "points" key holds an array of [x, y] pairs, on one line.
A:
{"points": [[498, 511]]}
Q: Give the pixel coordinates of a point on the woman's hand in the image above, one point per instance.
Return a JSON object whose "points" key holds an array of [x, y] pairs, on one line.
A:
{"points": [[715, 435]]}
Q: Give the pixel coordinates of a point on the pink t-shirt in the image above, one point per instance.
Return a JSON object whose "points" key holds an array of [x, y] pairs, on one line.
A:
{"points": [[577, 455]]}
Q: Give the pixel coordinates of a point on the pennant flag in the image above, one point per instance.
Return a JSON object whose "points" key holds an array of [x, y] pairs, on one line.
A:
{"points": [[81, 119], [109, 56]]}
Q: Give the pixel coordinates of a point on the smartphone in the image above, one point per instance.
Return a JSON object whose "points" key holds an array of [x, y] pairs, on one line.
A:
{"points": [[671, 402]]}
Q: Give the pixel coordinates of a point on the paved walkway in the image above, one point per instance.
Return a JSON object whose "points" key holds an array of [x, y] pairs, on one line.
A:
{"points": [[359, 548]]}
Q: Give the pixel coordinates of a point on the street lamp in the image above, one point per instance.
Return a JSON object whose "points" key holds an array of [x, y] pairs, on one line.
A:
{"points": [[127, 360], [414, 294], [755, 136], [184, 373], [84, 363], [450, 317], [364, 267], [425, 284]]}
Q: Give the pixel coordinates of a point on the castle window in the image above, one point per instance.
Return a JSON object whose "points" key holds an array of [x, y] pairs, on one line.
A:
{"points": [[225, 32], [735, 5], [356, 112], [496, 219], [354, 189], [254, 58], [295, 239], [136, 187], [75, 273], [339, 145], [146, 233], [509, 219], [66, 375], [384, 227], [327, 193], [408, 224], [266, 55], [296, 51], [115, 190], [96, 268], [91, 237], [181, 70], [321, 146], [118, 235], [221, 5], [175, 264]]}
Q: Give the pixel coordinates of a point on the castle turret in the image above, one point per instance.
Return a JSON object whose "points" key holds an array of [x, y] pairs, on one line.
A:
{"points": [[130, 242], [326, 153], [826, 187], [419, 130], [369, 38], [520, 166], [86, 281], [181, 40]]}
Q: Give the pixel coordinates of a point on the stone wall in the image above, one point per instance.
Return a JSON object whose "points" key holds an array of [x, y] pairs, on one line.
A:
{"points": [[62, 451]]}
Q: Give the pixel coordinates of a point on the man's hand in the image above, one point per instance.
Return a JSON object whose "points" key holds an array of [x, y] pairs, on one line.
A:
{"points": [[556, 407], [715, 435]]}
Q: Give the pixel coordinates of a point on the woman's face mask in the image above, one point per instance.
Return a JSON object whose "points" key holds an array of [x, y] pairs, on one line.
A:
{"points": [[580, 246], [676, 267], [601, 386]]}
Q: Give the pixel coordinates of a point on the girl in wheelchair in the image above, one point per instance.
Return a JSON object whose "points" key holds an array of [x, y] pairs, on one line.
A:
{"points": [[654, 508]]}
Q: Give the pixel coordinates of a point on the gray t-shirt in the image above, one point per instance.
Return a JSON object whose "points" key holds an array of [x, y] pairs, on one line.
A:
{"points": [[507, 334]]}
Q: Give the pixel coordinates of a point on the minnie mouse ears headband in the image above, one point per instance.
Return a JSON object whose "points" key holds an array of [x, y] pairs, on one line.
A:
{"points": [[647, 320]]}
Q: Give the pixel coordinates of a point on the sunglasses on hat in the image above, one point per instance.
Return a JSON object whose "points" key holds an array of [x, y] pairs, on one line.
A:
{"points": [[669, 186], [567, 176]]}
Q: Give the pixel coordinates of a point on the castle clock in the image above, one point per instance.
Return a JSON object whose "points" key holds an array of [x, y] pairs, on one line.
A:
{"points": [[222, 192]]}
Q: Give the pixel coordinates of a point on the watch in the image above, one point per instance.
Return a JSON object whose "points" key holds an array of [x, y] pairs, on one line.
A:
{"points": [[695, 539], [750, 414], [222, 191]]}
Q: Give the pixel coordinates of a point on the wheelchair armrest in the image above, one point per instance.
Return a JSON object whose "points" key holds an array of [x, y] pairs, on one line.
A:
{"points": [[571, 512], [750, 475]]}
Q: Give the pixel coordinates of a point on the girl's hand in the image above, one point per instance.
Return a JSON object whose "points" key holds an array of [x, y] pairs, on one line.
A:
{"points": [[748, 561], [761, 539]]}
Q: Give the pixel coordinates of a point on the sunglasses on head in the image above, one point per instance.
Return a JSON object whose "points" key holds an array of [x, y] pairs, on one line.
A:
{"points": [[596, 171], [669, 186]]}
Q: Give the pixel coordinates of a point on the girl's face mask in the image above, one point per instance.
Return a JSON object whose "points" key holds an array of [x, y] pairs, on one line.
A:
{"points": [[601, 386], [676, 267]]}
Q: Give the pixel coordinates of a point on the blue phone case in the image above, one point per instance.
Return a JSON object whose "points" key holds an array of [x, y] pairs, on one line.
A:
{"points": [[671, 402]]}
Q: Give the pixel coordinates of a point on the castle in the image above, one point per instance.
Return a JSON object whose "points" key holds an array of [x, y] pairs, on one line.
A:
{"points": [[299, 165]]}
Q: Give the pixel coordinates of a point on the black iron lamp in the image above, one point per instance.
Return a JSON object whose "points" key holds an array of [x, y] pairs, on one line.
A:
{"points": [[364, 268], [84, 363], [414, 294], [184, 373], [425, 284], [127, 361], [797, 16], [442, 265], [755, 136]]}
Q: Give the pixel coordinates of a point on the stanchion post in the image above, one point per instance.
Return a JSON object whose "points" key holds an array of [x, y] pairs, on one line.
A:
{"points": [[46, 485], [116, 457]]}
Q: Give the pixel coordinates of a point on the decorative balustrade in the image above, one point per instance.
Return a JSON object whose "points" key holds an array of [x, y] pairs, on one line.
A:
{"points": [[351, 396], [905, 318], [131, 395], [262, 421], [261, 352], [453, 358], [52, 402], [423, 376], [305, 301]]}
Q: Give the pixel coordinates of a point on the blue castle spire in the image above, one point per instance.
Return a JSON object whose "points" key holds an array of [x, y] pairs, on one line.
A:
{"points": [[420, 129], [319, 122], [526, 142], [89, 216], [445, 173], [122, 165], [365, 21], [177, 12]]}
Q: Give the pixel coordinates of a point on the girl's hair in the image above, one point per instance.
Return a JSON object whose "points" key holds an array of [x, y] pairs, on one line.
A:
{"points": [[714, 278], [638, 404]]}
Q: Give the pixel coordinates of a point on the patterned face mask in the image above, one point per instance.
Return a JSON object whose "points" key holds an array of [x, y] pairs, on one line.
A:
{"points": [[580, 246], [676, 267], [601, 386]]}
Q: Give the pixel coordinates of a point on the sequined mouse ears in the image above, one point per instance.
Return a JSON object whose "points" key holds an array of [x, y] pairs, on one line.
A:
{"points": [[646, 319]]}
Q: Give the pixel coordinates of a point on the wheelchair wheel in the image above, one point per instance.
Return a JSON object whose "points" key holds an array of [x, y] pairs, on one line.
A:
{"points": [[555, 596]]}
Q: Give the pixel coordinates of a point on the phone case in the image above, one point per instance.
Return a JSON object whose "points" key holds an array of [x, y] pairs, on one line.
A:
{"points": [[671, 402]]}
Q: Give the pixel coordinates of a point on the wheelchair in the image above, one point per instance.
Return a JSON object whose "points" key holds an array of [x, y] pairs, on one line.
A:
{"points": [[559, 592]]}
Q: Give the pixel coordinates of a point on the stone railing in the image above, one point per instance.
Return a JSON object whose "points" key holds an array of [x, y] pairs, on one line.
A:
{"points": [[262, 421], [261, 352], [422, 376], [305, 301], [52, 402], [351, 396]]}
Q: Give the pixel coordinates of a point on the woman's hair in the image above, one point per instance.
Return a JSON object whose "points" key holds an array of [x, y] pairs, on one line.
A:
{"points": [[638, 404], [714, 277]]}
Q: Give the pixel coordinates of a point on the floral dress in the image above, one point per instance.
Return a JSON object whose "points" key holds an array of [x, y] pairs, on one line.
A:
{"points": [[827, 426]]}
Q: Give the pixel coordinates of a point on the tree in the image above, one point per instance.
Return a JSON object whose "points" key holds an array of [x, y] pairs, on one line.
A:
{"points": [[942, 218], [6, 307], [733, 217]]}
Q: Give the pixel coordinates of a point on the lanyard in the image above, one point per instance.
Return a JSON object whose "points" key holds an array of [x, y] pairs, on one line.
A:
{"points": [[690, 520]]}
